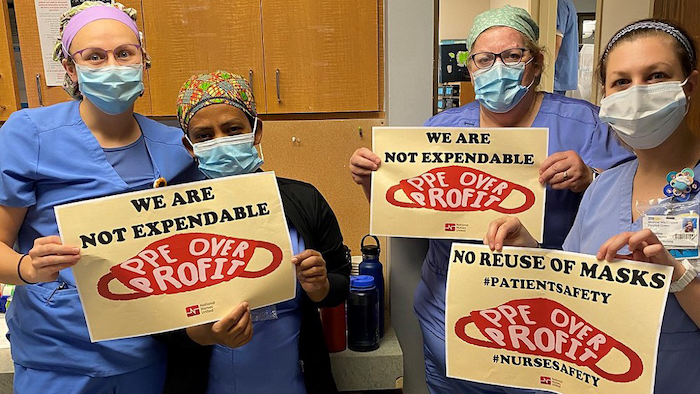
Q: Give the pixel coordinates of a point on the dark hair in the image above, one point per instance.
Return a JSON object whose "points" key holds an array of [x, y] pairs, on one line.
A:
{"points": [[688, 58]]}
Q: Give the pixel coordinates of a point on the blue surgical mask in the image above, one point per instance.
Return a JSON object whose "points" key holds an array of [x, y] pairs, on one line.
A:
{"points": [[112, 89], [498, 88], [232, 155]]}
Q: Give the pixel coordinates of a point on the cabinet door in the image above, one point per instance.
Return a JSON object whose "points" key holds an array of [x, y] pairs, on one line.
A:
{"points": [[192, 37], [321, 56], [9, 91], [33, 65], [318, 152]]}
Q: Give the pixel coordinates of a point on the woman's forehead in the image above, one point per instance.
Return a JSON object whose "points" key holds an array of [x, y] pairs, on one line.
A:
{"points": [[218, 113], [639, 52], [103, 33]]}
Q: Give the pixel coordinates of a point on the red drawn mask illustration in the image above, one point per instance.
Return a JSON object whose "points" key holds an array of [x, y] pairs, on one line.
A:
{"points": [[186, 262], [457, 188], [543, 327]]}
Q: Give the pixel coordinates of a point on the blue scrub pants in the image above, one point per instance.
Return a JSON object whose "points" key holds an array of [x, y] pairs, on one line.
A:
{"points": [[149, 380]]}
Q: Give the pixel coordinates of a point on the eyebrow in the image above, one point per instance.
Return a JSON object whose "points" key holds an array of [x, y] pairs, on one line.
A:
{"points": [[233, 122], [199, 129], [649, 68]]}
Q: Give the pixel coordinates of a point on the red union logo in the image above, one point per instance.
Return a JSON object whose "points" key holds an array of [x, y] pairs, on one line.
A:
{"points": [[192, 310], [545, 380], [450, 226]]}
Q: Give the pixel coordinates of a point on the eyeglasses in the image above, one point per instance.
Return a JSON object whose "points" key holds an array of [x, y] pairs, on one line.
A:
{"points": [[509, 57], [123, 54]]}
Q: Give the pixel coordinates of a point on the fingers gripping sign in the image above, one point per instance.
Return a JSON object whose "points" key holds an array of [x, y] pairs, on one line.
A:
{"points": [[508, 231], [362, 163], [46, 258], [644, 246], [312, 274], [565, 170], [233, 330]]}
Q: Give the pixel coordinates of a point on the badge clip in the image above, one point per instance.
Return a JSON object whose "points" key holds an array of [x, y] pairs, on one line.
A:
{"points": [[681, 185]]}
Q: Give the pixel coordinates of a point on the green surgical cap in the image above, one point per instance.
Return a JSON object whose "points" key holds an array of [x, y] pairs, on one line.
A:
{"points": [[513, 17]]}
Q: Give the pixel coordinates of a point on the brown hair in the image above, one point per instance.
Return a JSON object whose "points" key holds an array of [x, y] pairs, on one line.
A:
{"points": [[686, 52], [537, 53]]}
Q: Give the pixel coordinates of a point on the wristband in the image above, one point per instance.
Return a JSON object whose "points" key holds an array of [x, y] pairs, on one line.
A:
{"points": [[19, 273], [683, 281]]}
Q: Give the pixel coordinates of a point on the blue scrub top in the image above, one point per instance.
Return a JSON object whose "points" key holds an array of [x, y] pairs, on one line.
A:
{"points": [[606, 210], [49, 157], [566, 66], [573, 125], [269, 363]]}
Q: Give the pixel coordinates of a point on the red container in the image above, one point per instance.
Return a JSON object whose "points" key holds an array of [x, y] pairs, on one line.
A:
{"points": [[333, 320]]}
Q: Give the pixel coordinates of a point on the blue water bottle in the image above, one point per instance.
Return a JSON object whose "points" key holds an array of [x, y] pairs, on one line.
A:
{"points": [[363, 314], [370, 265]]}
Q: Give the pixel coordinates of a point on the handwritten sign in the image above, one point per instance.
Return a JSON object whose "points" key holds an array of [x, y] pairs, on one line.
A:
{"points": [[179, 256], [452, 182], [550, 320]]}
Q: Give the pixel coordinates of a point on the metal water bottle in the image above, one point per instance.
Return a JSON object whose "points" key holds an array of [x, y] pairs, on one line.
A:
{"points": [[371, 266]]}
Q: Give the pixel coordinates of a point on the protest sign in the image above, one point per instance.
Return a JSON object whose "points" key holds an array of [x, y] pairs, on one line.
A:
{"points": [[174, 257], [437, 182], [552, 320]]}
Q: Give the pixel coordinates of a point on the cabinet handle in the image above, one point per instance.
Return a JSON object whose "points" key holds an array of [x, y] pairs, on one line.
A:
{"points": [[250, 79], [38, 90], [277, 78]]}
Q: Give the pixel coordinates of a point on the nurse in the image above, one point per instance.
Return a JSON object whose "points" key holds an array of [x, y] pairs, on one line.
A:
{"points": [[506, 67], [89, 147], [285, 351], [649, 74]]}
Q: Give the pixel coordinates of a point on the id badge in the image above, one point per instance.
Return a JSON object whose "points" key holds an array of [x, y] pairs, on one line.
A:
{"points": [[678, 233], [264, 313]]}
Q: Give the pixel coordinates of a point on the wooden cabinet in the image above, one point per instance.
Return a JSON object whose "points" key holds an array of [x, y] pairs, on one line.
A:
{"points": [[321, 56], [318, 152], [303, 56], [9, 91], [186, 38]]}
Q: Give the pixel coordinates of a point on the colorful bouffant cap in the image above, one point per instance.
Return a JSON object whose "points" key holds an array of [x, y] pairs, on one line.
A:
{"points": [[219, 87]]}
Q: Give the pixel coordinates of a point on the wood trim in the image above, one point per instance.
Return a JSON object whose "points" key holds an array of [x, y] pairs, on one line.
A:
{"points": [[9, 95]]}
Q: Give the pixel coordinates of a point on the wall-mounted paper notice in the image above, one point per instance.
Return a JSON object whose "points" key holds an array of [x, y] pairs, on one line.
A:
{"points": [[48, 15]]}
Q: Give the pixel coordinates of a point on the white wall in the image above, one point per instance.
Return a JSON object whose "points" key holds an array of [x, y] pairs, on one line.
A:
{"points": [[457, 16], [515, 3], [410, 42]]}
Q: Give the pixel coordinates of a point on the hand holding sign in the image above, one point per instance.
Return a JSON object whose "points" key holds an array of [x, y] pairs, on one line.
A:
{"points": [[508, 231], [362, 163], [47, 257], [233, 330], [566, 170], [645, 246], [312, 274]]}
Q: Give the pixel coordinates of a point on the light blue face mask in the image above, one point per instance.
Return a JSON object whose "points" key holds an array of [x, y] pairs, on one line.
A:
{"points": [[498, 88], [232, 155], [112, 89]]}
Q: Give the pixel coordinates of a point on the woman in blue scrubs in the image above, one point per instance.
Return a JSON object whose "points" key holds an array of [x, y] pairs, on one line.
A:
{"points": [[89, 147], [506, 66], [649, 73]]}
